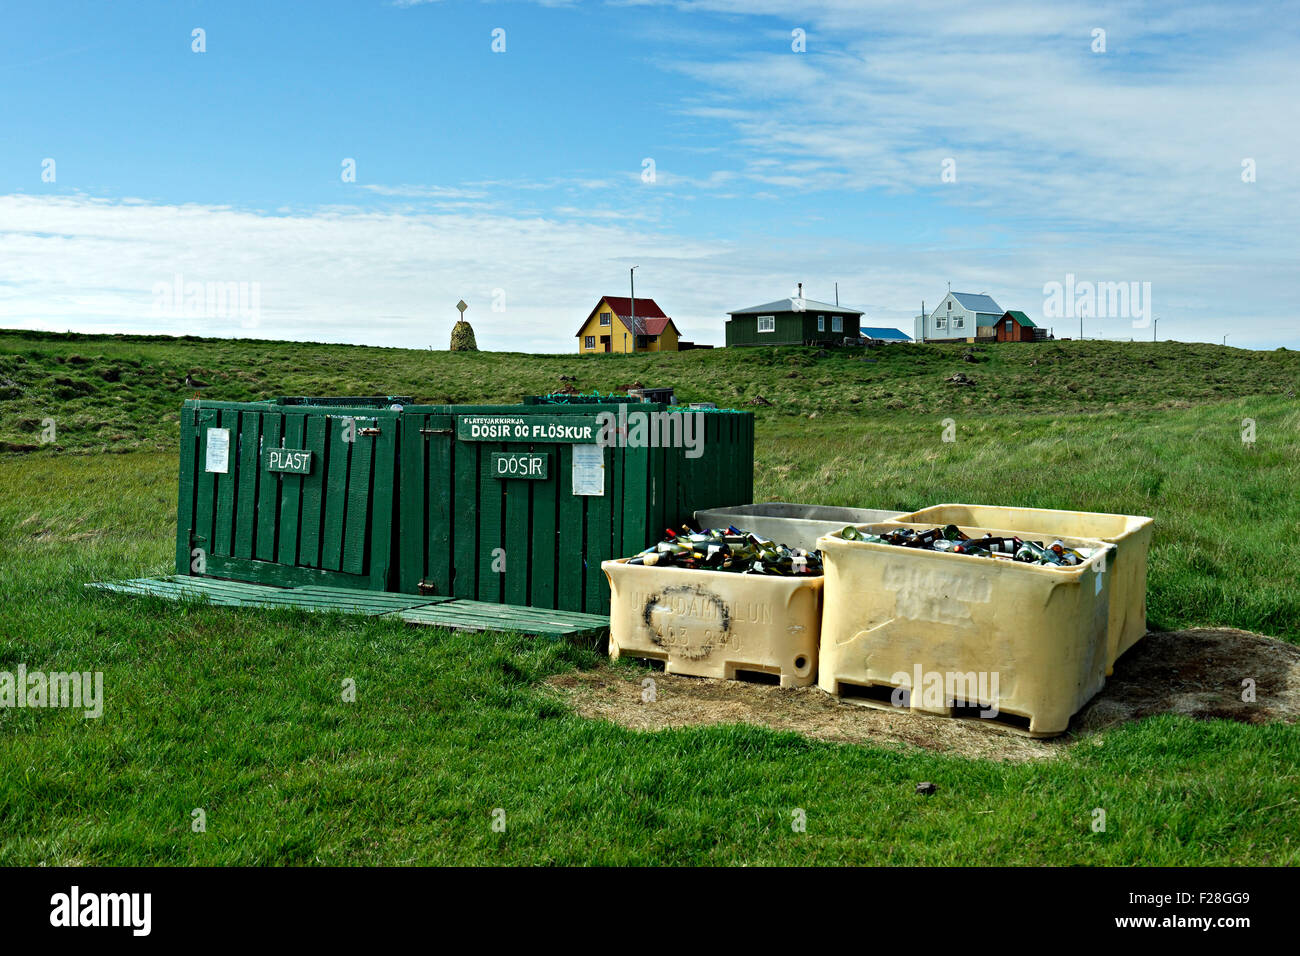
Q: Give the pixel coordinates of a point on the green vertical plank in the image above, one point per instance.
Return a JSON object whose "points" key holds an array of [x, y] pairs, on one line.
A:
{"points": [[313, 485], [268, 493], [465, 546], [747, 450], [384, 488], [518, 537], [618, 510], [205, 501], [569, 556], [185, 489], [673, 487], [599, 542], [356, 528], [636, 505], [440, 489], [224, 529], [338, 453], [659, 489], [291, 493], [491, 520], [250, 436], [544, 542], [414, 529]]}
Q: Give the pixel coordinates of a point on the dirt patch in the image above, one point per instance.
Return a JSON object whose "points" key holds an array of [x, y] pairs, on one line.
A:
{"points": [[1197, 672]]}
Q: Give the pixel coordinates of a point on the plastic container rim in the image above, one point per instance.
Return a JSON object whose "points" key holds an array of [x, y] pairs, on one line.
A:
{"points": [[1101, 548]]}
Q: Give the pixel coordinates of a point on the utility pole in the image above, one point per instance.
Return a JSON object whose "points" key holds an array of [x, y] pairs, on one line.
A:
{"points": [[837, 295], [1225, 339], [631, 278], [1155, 327]]}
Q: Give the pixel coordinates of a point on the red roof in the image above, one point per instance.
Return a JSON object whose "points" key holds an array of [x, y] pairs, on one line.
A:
{"points": [[645, 308], [650, 319]]}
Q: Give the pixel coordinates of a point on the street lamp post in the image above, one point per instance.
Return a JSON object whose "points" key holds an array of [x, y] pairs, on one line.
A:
{"points": [[631, 278]]}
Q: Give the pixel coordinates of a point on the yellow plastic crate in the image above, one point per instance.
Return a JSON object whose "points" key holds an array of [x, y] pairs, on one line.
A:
{"points": [[715, 623], [1024, 644], [1131, 535]]}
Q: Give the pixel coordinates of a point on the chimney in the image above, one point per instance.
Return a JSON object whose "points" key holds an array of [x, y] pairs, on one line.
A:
{"points": [[801, 290]]}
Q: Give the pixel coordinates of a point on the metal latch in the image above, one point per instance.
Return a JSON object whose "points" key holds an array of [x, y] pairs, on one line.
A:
{"points": [[425, 587], [368, 431], [435, 431]]}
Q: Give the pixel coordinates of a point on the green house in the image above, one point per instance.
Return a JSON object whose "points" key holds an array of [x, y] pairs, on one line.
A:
{"points": [[793, 321]]}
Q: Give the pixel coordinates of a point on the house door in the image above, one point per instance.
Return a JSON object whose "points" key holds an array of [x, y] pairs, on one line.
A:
{"points": [[604, 343]]}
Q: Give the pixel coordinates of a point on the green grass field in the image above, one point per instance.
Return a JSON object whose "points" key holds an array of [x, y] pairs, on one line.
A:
{"points": [[239, 713]]}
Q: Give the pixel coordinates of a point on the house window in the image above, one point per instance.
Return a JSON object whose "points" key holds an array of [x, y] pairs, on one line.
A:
{"points": [[940, 322], [837, 323], [949, 305], [643, 341], [606, 318], [958, 322], [767, 323], [589, 342], [1008, 326], [821, 323]]}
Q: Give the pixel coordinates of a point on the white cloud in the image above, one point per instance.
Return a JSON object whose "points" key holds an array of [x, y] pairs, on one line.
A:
{"points": [[393, 278]]}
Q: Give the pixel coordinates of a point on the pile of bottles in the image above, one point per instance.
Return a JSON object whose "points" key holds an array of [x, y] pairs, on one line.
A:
{"points": [[955, 541], [729, 549]]}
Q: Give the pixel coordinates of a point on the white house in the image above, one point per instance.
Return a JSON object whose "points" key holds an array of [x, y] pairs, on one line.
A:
{"points": [[958, 316]]}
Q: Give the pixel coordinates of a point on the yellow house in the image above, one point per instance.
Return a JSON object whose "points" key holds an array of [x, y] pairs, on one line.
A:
{"points": [[609, 328]]}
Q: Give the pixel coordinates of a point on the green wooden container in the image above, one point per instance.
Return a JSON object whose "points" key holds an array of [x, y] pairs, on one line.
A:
{"points": [[488, 502], [473, 531], [249, 509]]}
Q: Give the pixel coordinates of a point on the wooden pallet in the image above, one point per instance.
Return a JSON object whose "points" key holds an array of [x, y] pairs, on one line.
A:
{"points": [[431, 611]]}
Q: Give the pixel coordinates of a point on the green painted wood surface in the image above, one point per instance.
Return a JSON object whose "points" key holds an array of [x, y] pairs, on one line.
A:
{"points": [[250, 436], [224, 528], [356, 525], [445, 612], [336, 488], [464, 488], [543, 542], [463, 615], [281, 575], [383, 502], [185, 490], [412, 504], [517, 532], [268, 492], [569, 591], [313, 486], [491, 527], [205, 481], [295, 428]]}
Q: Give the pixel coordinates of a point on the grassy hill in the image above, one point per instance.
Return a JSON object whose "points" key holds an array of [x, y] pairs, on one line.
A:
{"points": [[238, 712], [123, 392]]}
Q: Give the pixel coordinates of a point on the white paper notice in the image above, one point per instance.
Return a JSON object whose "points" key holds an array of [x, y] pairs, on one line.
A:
{"points": [[588, 470], [218, 456]]}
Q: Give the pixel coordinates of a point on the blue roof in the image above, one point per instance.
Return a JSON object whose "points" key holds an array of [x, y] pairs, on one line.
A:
{"points": [[977, 303], [890, 335]]}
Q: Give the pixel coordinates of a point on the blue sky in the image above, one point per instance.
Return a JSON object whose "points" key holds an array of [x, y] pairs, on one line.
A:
{"points": [[515, 179]]}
